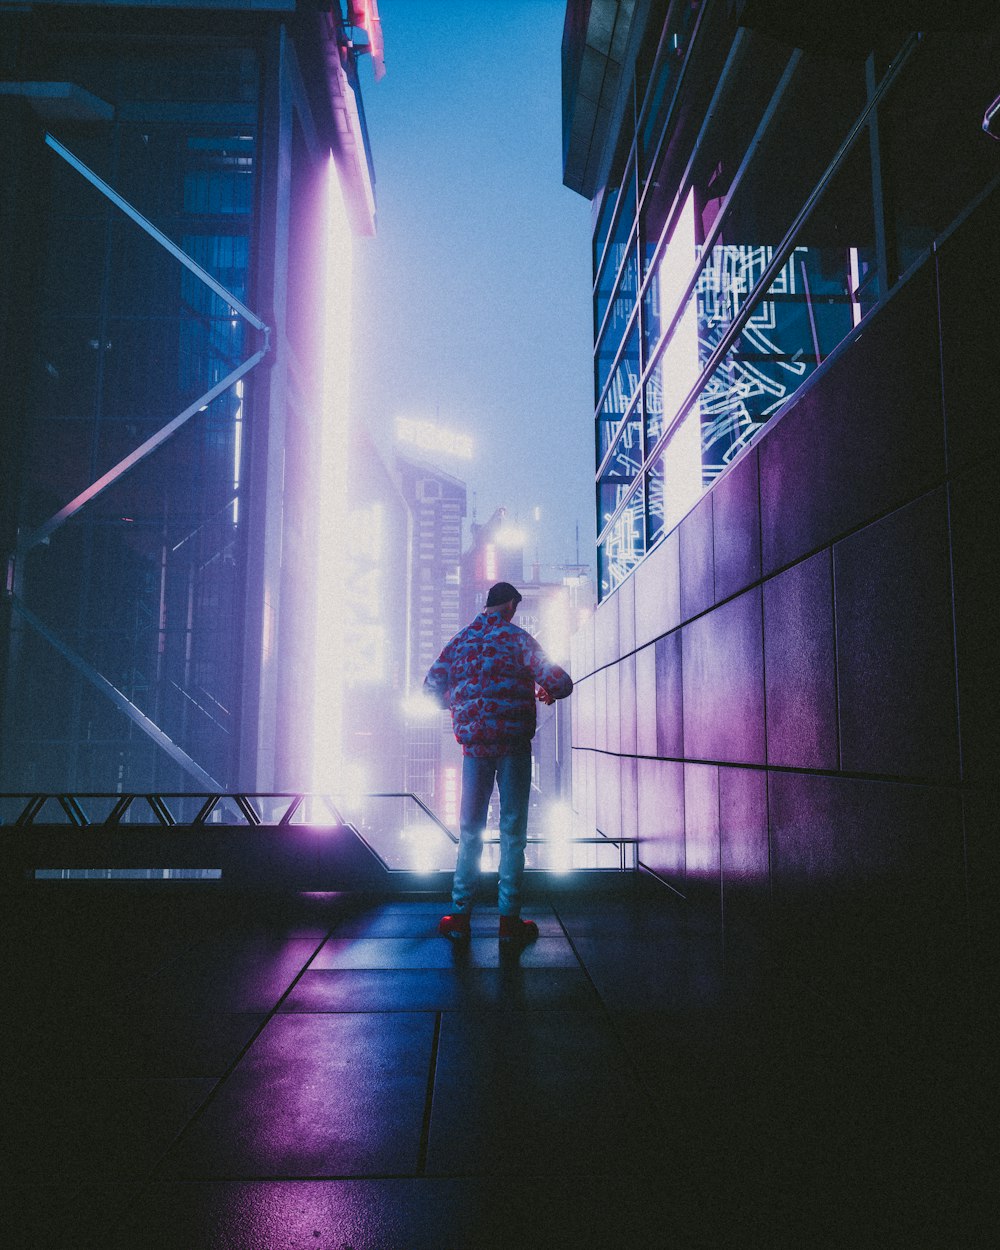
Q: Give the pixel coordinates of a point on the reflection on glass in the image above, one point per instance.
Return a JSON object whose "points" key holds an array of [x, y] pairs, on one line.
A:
{"points": [[665, 78], [813, 301], [624, 382], [623, 546], [622, 468], [604, 222], [622, 245], [679, 366], [621, 310]]}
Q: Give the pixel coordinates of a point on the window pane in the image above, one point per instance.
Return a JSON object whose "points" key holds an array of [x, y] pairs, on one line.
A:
{"points": [[814, 300], [622, 547], [626, 376], [931, 166], [620, 247], [812, 118], [665, 78], [811, 306], [675, 481], [612, 192]]}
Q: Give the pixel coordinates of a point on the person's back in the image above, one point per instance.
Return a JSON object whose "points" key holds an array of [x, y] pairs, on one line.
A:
{"points": [[487, 676]]}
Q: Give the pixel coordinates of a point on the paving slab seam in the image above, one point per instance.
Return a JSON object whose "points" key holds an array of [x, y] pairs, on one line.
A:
{"points": [[425, 1128], [235, 1063], [530, 1171]]}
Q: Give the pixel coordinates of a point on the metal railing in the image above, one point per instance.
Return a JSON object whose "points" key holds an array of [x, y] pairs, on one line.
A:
{"points": [[406, 838]]}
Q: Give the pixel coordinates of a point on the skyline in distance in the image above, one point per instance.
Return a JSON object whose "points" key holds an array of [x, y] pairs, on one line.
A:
{"points": [[472, 303]]}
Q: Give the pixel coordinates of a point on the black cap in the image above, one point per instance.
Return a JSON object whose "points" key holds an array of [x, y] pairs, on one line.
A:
{"points": [[502, 592]]}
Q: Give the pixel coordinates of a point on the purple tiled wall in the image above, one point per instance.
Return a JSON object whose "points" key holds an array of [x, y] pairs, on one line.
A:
{"points": [[794, 698]]}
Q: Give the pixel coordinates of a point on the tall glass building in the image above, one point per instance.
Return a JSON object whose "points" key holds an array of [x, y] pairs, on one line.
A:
{"points": [[177, 238], [759, 200], [796, 259]]}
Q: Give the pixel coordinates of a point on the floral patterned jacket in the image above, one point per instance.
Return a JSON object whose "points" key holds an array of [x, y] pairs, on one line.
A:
{"points": [[487, 676]]}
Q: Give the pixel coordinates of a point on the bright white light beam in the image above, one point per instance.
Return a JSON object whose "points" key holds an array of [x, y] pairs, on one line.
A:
{"points": [[328, 663]]}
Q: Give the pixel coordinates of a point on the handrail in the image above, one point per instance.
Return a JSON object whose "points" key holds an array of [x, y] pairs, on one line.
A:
{"points": [[73, 808]]}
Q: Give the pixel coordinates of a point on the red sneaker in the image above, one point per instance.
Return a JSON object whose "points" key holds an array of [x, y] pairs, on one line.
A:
{"points": [[514, 929], [456, 928]]}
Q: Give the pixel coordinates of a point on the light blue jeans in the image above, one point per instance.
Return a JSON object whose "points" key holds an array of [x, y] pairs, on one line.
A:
{"points": [[513, 777]]}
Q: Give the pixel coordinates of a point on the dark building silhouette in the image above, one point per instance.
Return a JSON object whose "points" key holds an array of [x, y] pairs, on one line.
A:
{"points": [[166, 386], [437, 503], [787, 689]]}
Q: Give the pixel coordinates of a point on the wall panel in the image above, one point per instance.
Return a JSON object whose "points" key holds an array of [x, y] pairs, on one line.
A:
{"points": [[669, 694], [627, 703], [736, 526], [661, 819], [703, 862], [800, 666], [646, 702], [865, 436], [697, 576], [723, 682], [658, 591], [896, 665], [626, 616]]}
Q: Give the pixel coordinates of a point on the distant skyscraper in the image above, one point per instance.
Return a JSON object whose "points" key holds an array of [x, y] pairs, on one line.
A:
{"points": [[550, 611], [437, 503]]}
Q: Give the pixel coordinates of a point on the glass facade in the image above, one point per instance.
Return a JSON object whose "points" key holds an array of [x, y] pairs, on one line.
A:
{"points": [[142, 583], [761, 200], [163, 366]]}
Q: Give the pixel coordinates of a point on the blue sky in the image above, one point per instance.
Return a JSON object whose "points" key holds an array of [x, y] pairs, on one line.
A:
{"points": [[473, 302]]}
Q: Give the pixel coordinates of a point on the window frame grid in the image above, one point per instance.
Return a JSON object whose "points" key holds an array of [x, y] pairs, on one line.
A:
{"points": [[778, 260]]}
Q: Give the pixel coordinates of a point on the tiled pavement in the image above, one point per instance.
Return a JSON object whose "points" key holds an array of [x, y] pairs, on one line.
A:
{"points": [[193, 1071]]}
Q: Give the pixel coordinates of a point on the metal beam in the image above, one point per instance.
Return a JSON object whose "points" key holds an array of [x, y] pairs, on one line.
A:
{"points": [[120, 701], [33, 537], [227, 296]]}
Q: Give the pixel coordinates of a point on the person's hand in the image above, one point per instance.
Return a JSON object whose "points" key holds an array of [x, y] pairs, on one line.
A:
{"points": [[543, 696]]}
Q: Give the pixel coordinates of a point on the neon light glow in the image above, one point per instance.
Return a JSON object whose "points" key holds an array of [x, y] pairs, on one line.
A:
{"points": [[366, 655], [680, 367], [555, 631], [368, 17], [449, 787], [420, 707], [429, 436], [511, 537], [237, 450], [328, 680], [559, 829], [855, 283]]}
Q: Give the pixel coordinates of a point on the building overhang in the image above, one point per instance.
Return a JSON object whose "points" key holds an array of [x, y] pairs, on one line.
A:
{"points": [[348, 138], [597, 36], [852, 27]]}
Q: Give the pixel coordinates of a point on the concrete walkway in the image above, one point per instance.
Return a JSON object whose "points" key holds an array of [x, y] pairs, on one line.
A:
{"points": [[189, 1070]]}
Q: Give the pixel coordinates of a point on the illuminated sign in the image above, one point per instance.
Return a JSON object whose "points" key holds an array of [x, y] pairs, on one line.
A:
{"points": [[450, 796], [366, 642], [429, 436], [364, 13]]}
